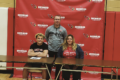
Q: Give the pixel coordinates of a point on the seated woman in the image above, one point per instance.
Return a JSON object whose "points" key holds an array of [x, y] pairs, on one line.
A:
{"points": [[70, 49]]}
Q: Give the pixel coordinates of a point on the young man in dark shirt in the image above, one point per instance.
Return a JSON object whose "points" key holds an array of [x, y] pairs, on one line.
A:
{"points": [[38, 49]]}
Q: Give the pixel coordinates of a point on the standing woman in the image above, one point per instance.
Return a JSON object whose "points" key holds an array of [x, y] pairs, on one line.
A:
{"points": [[70, 49]]}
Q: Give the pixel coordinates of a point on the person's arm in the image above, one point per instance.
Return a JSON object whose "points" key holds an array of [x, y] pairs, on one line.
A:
{"points": [[43, 54], [47, 34], [32, 53], [60, 52], [81, 56]]}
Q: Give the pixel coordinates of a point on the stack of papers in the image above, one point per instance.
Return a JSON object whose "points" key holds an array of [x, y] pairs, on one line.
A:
{"points": [[35, 58]]}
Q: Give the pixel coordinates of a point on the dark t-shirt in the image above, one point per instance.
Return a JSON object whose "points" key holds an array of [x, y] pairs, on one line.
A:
{"points": [[40, 48], [37, 48]]}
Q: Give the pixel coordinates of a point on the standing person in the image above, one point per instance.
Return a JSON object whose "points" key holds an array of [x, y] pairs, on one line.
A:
{"points": [[55, 35], [71, 50], [38, 49]]}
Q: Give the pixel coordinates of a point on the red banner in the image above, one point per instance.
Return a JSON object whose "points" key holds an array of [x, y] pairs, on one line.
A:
{"points": [[84, 19]]}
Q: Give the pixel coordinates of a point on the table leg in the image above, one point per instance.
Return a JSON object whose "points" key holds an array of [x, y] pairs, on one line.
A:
{"points": [[111, 73], [116, 73], [48, 71], [59, 72]]}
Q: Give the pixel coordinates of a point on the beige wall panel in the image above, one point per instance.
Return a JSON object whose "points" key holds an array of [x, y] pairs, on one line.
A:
{"points": [[113, 9], [111, 3], [6, 3]]}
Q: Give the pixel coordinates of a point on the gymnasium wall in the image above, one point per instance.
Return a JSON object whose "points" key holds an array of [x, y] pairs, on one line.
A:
{"points": [[111, 46]]}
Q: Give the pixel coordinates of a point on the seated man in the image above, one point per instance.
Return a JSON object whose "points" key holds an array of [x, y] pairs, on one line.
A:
{"points": [[38, 49]]}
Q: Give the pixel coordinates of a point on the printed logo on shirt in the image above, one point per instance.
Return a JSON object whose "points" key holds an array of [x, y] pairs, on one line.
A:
{"points": [[38, 50], [60, 30], [22, 15], [34, 6], [22, 33], [66, 53], [41, 49], [72, 53], [45, 42], [21, 51], [69, 53]]}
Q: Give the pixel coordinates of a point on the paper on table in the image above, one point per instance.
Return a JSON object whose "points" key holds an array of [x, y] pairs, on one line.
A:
{"points": [[35, 58]]}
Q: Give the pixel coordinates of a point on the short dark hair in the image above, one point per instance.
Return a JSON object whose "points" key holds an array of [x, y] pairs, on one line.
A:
{"points": [[57, 15]]}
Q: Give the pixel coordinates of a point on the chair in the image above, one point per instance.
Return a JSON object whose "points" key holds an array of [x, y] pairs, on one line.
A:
{"points": [[34, 71]]}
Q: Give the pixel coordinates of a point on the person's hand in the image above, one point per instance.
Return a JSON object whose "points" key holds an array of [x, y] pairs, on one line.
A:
{"points": [[38, 53], [66, 66]]}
